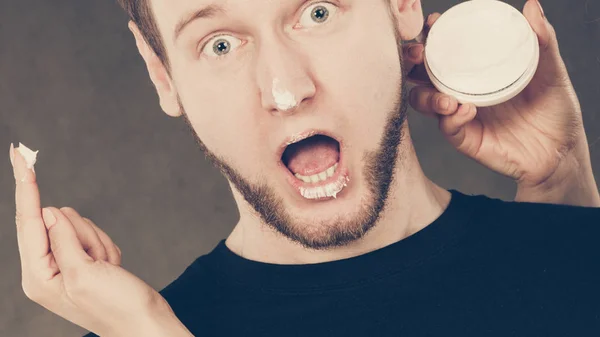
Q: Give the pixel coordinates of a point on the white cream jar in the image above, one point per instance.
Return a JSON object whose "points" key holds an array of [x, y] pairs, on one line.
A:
{"points": [[482, 52]]}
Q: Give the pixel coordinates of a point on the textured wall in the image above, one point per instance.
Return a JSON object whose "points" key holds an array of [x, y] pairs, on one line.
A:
{"points": [[73, 86]]}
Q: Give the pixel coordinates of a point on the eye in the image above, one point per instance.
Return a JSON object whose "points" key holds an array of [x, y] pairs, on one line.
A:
{"points": [[221, 45], [317, 14]]}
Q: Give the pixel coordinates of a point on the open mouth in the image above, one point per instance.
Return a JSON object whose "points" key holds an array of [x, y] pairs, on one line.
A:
{"points": [[315, 166]]}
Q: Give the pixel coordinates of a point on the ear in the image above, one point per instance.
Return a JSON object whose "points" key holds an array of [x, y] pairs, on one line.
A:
{"points": [[159, 75], [409, 17]]}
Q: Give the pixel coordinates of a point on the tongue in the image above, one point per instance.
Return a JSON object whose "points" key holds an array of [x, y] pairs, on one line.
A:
{"points": [[312, 155]]}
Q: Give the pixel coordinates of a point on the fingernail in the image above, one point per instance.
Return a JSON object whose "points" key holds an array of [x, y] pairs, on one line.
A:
{"points": [[445, 103], [541, 9], [12, 155], [49, 218]]}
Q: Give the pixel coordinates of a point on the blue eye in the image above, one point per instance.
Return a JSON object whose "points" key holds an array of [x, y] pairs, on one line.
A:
{"points": [[317, 14], [221, 45]]}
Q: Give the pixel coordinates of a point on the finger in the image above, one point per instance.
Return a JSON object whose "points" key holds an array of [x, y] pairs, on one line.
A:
{"points": [[462, 130], [551, 67], [412, 54], [31, 233], [90, 241], [429, 101], [113, 252], [431, 19], [533, 12], [66, 248], [413, 58]]}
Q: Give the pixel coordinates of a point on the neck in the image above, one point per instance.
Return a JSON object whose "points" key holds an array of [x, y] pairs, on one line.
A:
{"points": [[414, 202]]}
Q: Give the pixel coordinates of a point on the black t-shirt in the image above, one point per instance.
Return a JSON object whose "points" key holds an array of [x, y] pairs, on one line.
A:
{"points": [[485, 267]]}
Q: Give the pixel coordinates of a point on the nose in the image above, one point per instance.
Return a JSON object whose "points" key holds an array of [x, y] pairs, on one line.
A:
{"points": [[284, 77]]}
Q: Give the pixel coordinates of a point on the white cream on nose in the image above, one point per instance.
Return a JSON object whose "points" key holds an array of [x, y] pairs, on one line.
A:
{"points": [[284, 99]]}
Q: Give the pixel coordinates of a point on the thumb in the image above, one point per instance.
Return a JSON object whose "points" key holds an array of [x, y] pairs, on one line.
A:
{"points": [[551, 68], [66, 248]]}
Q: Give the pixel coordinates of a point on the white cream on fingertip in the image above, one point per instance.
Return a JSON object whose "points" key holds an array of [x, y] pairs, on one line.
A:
{"points": [[284, 99], [29, 155]]}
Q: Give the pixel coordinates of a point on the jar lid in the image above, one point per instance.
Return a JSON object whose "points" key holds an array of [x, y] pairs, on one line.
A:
{"points": [[482, 52]]}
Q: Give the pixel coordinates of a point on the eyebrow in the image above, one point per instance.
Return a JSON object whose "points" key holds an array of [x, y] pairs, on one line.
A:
{"points": [[203, 13]]}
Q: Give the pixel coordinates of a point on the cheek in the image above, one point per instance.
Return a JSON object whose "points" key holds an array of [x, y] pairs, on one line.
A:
{"points": [[224, 116], [361, 74]]}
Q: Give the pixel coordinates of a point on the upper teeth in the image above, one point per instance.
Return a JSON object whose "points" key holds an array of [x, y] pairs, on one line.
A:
{"points": [[321, 176]]}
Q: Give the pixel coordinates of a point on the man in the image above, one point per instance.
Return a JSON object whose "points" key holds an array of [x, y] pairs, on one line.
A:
{"points": [[302, 106]]}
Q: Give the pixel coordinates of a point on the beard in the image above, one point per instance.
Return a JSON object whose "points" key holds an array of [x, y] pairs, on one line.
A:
{"points": [[379, 168]]}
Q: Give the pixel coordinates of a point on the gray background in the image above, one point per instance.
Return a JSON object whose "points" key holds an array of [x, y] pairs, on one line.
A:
{"points": [[73, 86]]}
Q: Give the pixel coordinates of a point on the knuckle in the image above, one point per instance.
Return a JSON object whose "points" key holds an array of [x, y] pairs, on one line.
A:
{"points": [[432, 99], [97, 252]]}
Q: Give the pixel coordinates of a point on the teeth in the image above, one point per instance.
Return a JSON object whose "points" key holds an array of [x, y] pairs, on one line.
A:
{"points": [[330, 190], [321, 176], [303, 178], [331, 170]]}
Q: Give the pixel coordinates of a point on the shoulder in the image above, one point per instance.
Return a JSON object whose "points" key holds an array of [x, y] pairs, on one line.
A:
{"points": [[545, 248], [541, 225], [532, 213]]}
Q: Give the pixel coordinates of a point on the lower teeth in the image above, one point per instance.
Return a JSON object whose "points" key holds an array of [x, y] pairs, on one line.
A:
{"points": [[329, 190]]}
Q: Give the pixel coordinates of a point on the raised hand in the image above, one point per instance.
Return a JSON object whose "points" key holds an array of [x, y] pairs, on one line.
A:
{"points": [[72, 268], [537, 138]]}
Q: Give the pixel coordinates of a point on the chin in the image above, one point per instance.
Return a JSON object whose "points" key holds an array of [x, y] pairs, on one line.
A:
{"points": [[329, 222]]}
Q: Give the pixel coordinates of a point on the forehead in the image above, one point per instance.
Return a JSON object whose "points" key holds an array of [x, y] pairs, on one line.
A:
{"points": [[171, 10], [170, 13]]}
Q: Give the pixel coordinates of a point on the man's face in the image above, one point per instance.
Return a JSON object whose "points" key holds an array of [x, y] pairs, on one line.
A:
{"points": [[238, 71]]}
